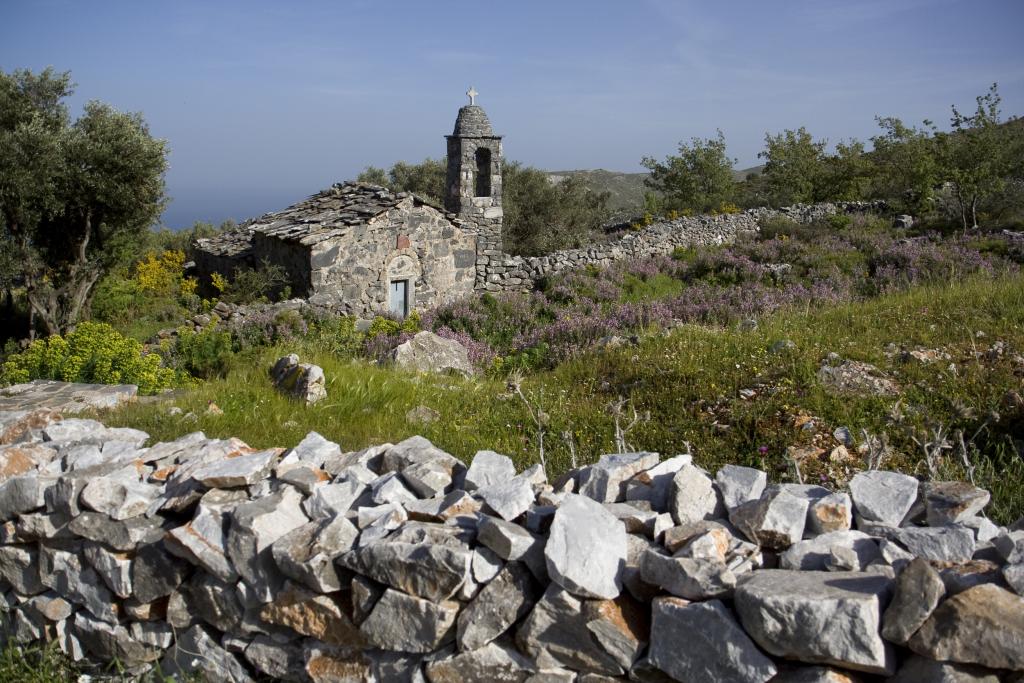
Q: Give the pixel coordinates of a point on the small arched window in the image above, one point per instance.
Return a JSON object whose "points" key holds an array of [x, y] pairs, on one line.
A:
{"points": [[483, 172]]}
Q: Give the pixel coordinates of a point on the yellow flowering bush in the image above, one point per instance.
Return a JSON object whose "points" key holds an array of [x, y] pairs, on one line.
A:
{"points": [[164, 273], [93, 353]]}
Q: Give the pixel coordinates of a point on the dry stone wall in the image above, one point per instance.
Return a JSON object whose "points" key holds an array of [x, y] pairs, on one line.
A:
{"points": [[400, 563], [509, 273]]}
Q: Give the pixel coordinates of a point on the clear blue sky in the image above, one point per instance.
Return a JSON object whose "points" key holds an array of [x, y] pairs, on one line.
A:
{"points": [[266, 102]]}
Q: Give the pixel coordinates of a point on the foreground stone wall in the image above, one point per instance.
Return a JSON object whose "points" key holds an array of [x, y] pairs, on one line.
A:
{"points": [[399, 563], [511, 273]]}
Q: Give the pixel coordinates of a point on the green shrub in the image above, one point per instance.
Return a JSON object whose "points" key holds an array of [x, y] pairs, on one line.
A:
{"points": [[337, 336], [257, 284], [777, 226], [94, 353], [839, 221], [389, 326], [204, 354]]}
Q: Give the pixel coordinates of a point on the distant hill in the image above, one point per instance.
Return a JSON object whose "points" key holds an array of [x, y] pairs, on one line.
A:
{"points": [[626, 189]]}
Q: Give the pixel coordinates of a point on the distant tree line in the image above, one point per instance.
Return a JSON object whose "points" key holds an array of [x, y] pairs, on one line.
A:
{"points": [[976, 167], [541, 216]]}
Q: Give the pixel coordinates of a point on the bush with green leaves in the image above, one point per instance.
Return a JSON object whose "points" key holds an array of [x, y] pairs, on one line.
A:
{"points": [[93, 353], [205, 354]]}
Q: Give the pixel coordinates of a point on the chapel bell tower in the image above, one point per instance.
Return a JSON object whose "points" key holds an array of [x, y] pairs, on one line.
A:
{"points": [[473, 185]]}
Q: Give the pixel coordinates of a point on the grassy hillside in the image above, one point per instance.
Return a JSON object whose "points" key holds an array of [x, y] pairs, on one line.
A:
{"points": [[721, 391]]}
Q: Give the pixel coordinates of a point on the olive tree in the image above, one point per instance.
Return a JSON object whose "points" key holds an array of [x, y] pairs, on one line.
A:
{"points": [[74, 196], [794, 169], [699, 178], [979, 154]]}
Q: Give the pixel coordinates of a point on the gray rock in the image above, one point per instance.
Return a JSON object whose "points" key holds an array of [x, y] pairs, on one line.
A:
{"points": [[1010, 546], [431, 571], [213, 601], [196, 652], [826, 515], [117, 534], [303, 381], [23, 494], [113, 567], [49, 606], [19, 567], [586, 549], [439, 509], [488, 468], [485, 564], [740, 484], [254, 527], [315, 449], [428, 479], [555, 634], [507, 540], [243, 470], [427, 352], [813, 554], [306, 554], [918, 592], [509, 498], [606, 480], [702, 642], [501, 603], [884, 497], [951, 502], [693, 496], [390, 489], [655, 484], [280, 661], [818, 617], [203, 542], [776, 520], [693, 579], [1013, 574], [330, 500], [919, 669], [495, 662], [948, 543], [65, 573], [118, 498], [409, 624], [112, 642], [156, 573], [327, 618], [982, 625]]}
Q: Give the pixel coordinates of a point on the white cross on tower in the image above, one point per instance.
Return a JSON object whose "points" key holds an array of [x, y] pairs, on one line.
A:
{"points": [[472, 95]]}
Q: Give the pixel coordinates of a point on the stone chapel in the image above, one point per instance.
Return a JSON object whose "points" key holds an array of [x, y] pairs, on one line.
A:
{"points": [[363, 250]]}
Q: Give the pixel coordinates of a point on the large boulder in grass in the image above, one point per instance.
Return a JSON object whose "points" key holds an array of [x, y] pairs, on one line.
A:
{"points": [[427, 352], [303, 381]]}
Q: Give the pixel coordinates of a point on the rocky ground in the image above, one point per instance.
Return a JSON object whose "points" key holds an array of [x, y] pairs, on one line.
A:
{"points": [[399, 562]]}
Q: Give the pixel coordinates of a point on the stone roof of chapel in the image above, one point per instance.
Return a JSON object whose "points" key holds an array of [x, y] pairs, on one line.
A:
{"points": [[328, 214]]}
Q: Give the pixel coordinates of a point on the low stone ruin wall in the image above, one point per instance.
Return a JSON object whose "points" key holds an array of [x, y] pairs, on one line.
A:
{"points": [[397, 563], [510, 273]]}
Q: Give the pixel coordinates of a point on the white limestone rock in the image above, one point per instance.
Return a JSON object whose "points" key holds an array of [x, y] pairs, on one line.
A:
{"points": [[818, 617], [586, 549], [740, 484], [509, 498], [884, 497], [488, 468], [605, 481], [702, 641], [409, 624], [814, 554], [776, 520], [693, 496]]}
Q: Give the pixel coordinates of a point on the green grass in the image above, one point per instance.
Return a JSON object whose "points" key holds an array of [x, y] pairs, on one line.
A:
{"points": [[688, 381]]}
